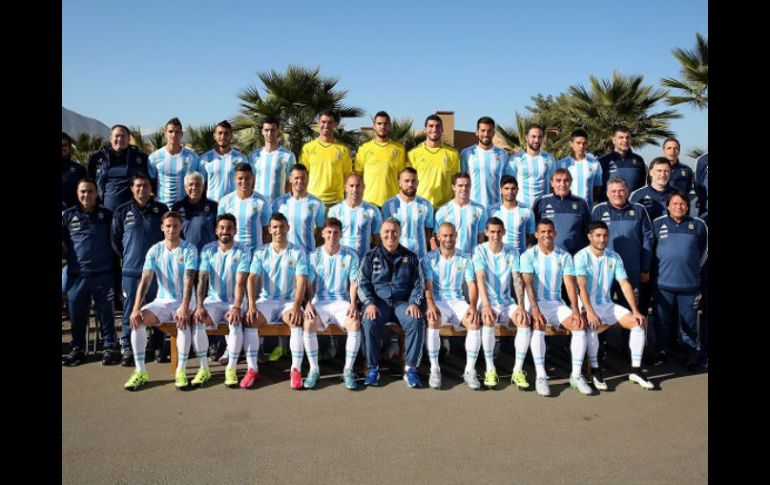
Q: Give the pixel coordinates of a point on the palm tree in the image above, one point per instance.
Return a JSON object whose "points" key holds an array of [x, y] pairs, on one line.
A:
{"points": [[201, 138], [137, 138], [157, 139], [515, 136], [85, 144], [694, 82], [295, 98]]}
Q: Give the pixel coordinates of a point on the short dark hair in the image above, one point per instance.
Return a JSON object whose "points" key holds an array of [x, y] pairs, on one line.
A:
{"points": [[87, 180], [65, 136], [174, 122], [494, 221], [460, 175], [392, 220], [672, 139], [434, 117], [243, 167], [122, 127], [277, 216], [299, 167], [381, 113], [172, 214], [408, 170], [333, 222], [508, 179], [660, 161], [562, 171], [676, 193], [226, 217], [545, 222], [579, 132], [270, 120], [139, 175], [597, 225], [225, 124], [485, 120], [533, 125], [621, 128], [329, 112]]}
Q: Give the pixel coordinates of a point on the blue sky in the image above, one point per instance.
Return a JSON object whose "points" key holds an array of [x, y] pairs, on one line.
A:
{"points": [[141, 63]]}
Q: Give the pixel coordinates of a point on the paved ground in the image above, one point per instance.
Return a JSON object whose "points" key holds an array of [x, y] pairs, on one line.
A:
{"points": [[383, 435]]}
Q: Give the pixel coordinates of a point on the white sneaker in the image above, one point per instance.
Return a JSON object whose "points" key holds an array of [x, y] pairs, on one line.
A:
{"points": [[435, 378], [581, 385], [542, 387], [633, 377]]}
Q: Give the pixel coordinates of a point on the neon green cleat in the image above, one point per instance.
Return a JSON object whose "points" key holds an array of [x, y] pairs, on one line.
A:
{"points": [[490, 378], [181, 379], [519, 379], [231, 378], [276, 354], [138, 378], [201, 377]]}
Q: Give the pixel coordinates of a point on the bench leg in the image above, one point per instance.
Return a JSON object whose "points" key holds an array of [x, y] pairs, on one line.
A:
{"points": [[174, 355]]}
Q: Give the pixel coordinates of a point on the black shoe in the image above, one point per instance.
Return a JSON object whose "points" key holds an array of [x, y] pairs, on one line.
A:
{"points": [[75, 357], [214, 353], [111, 357], [161, 357], [660, 358], [128, 359], [597, 377], [149, 355]]}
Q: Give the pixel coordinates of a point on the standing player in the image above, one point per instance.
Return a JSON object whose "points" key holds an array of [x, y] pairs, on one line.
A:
{"points": [[171, 163], [251, 210], [468, 217], [380, 160], [328, 160], [305, 212], [584, 167], [218, 165], [531, 167], [415, 214], [435, 164], [360, 220], [272, 162], [518, 219], [485, 163]]}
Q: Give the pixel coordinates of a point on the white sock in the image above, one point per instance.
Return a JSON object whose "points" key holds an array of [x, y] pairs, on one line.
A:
{"points": [[488, 344], [310, 340], [201, 344], [592, 347], [183, 340], [577, 348], [297, 348], [433, 344], [537, 344], [234, 345], [636, 344], [251, 344], [521, 343], [351, 348], [472, 346], [138, 346]]}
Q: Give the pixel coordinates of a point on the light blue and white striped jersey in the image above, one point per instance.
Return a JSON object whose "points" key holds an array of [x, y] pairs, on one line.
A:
{"points": [[469, 221], [599, 272], [532, 173], [304, 215], [447, 275], [332, 274], [358, 225], [415, 217], [498, 271], [548, 271], [271, 170], [169, 267], [519, 223], [222, 267], [219, 172], [278, 271], [485, 168], [251, 214], [586, 174], [170, 171]]}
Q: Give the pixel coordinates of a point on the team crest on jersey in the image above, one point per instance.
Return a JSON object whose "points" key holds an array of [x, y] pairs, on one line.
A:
{"points": [[206, 209], [137, 160], [180, 259], [574, 206], [187, 162], [405, 259], [344, 266], [154, 210], [234, 162], [634, 162], [521, 219], [691, 226], [446, 160], [291, 262], [365, 216], [72, 169], [254, 209], [393, 154], [631, 213], [684, 173], [422, 210], [339, 155], [100, 215], [611, 265]]}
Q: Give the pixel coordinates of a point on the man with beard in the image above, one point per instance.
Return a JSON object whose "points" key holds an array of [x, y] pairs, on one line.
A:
{"points": [[414, 213], [531, 167], [435, 164], [218, 165], [380, 160], [328, 160], [484, 162]]}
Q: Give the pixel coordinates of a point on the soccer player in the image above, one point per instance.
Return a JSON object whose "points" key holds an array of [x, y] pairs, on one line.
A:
{"points": [[435, 164], [584, 167], [544, 267], [328, 160], [282, 268], [218, 165], [468, 217], [485, 163], [332, 289], [445, 269], [175, 262], [622, 162], [360, 220], [496, 268], [655, 195], [518, 219], [251, 210], [272, 162], [305, 212], [414, 213], [531, 167], [171, 163], [222, 277], [380, 160], [681, 175], [569, 213], [596, 267]]}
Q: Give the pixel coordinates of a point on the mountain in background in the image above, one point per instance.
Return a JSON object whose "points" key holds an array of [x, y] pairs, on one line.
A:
{"points": [[74, 124]]}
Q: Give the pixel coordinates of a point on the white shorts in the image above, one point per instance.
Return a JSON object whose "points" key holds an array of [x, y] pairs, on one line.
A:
{"points": [[554, 312], [504, 313], [452, 312], [609, 313], [332, 312], [273, 310], [165, 309], [217, 311]]}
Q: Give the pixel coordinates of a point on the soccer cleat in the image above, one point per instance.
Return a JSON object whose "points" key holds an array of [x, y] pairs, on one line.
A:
{"points": [[312, 379], [412, 378], [372, 377], [295, 379], [201, 377], [491, 379], [181, 381], [138, 378], [519, 379], [472, 380], [637, 377], [75, 357], [350, 379], [249, 379], [597, 376], [581, 385], [231, 378], [434, 381], [276, 354], [542, 387]]}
